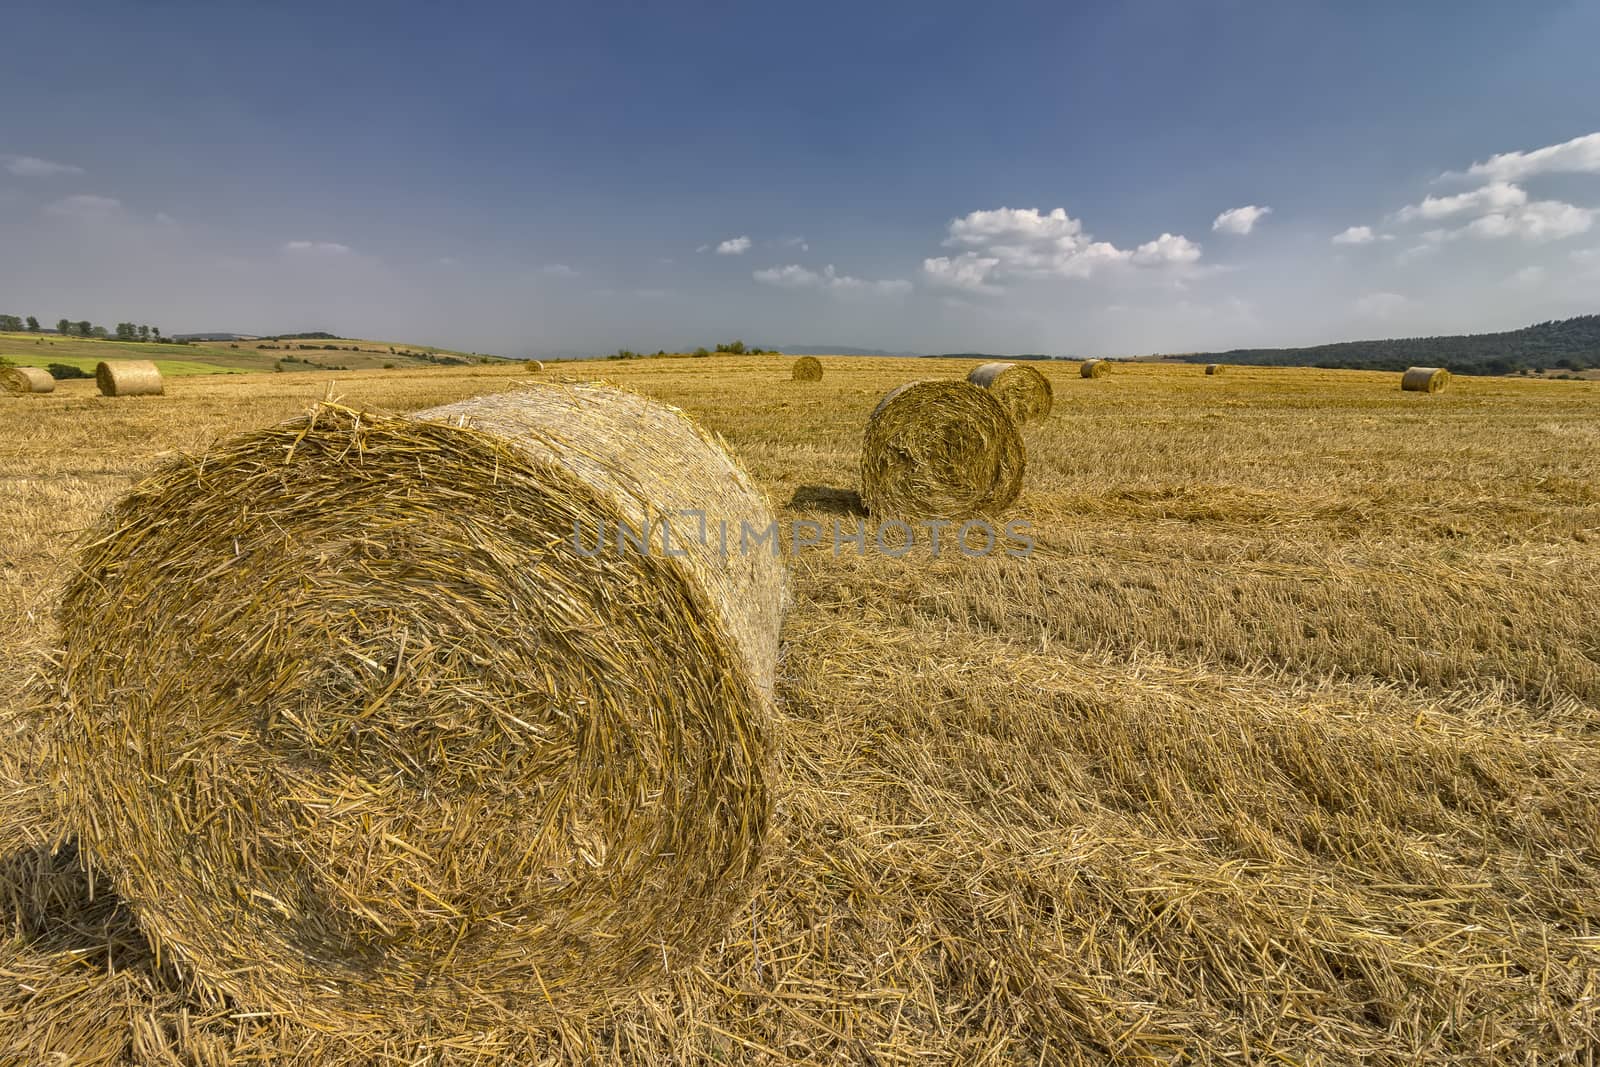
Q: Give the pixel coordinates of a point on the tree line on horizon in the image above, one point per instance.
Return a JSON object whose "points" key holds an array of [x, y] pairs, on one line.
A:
{"points": [[1558, 344], [125, 331]]}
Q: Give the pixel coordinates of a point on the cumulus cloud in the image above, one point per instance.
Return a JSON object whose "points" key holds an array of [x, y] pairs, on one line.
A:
{"points": [[85, 207], [34, 167], [1355, 235], [1496, 196], [795, 276], [1168, 248], [966, 271], [1542, 220], [1381, 305], [320, 248], [1581, 155], [1239, 220], [1027, 243], [734, 246]]}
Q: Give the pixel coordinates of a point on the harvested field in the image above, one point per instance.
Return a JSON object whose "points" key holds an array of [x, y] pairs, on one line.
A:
{"points": [[1282, 746]]}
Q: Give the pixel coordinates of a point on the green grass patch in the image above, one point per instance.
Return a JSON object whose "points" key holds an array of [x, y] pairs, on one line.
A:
{"points": [[172, 368]]}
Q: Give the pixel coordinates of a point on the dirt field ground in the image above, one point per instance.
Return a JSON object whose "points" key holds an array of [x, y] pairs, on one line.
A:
{"points": [[1281, 748]]}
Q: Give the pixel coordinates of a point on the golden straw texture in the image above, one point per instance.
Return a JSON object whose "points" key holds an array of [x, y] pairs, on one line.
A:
{"points": [[19, 380], [533, 365], [1021, 390], [1424, 379], [1093, 368], [128, 377], [808, 369], [368, 730], [940, 449]]}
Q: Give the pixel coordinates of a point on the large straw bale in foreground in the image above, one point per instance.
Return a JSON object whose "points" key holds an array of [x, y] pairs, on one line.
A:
{"points": [[17, 381], [940, 449], [1093, 368], [1424, 379], [808, 369], [1021, 390], [365, 737], [128, 377]]}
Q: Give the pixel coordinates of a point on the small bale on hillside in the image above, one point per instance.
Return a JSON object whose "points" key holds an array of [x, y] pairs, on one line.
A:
{"points": [[18, 381], [1213, 368], [1022, 390], [372, 730], [940, 449], [1093, 368], [1424, 379], [533, 366], [808, 369], [128, 377]]}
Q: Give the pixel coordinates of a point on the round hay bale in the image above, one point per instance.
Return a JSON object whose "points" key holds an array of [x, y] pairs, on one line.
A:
{"points": [[18, 381], [808, 369], [533, 366], [1021, 390], [940, 449], [1093, 368], [1424, 379], [1213, 368], [128, 377], [369, 729]]}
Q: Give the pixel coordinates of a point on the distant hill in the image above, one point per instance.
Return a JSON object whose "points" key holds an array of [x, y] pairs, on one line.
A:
{"points": [[1567, 344]]}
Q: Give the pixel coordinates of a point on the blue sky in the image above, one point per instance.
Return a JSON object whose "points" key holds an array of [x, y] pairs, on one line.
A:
{"points": [[542, 178]]}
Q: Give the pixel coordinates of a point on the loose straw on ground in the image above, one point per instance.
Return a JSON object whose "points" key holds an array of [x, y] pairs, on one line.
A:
{"points": [[1093, 368], [18, 381], [128, 377], [375, 723], [1022, 390], [1424, 379], [940, 449], [808, 369]]}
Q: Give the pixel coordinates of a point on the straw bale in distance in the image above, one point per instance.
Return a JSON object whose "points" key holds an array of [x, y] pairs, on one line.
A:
{"points": [[1093, 368], [940, 449], [367, 732], [19, 380], [1424, 379], [128, 377], [1213, 368], [808, 369], [1022, 390], [532, 365]]}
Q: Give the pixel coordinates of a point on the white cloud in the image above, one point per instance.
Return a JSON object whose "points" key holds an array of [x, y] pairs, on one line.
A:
{"points": [[1027, 243], [34, 167], [1355, 235], [1496, 196], [1581, 155], [85, 207], [734, 246], [1527, 277], [1380, 305], [320, 248], [559, 270], [795, 276], [794, 242], [1240, 220], [1168, 248], [966, 271], [1542, 220]]}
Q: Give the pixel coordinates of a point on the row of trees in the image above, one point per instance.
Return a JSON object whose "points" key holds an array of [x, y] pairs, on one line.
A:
{"points": [[126, 331]]}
